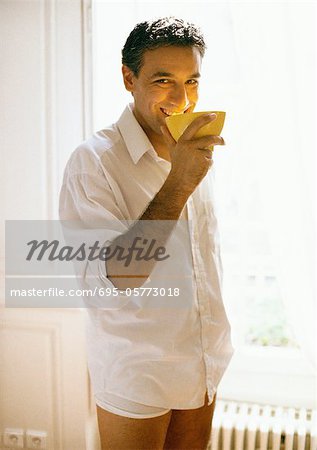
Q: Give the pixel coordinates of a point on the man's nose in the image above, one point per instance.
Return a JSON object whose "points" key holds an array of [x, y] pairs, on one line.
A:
{"points": [[179, 98]]}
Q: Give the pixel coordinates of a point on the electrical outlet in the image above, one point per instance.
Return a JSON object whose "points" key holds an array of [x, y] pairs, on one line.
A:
{"points": [[13, 438], [36, 439]]}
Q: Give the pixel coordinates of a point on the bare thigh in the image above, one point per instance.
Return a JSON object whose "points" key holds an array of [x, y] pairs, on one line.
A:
{"points": [[190, 429], [123, 433]]}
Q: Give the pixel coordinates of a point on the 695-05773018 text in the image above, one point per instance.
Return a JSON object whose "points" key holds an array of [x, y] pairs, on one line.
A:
{"points": [[141, 291]]}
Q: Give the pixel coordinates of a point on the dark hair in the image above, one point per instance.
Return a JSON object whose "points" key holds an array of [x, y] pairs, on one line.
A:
{"points": [[162, 32]]}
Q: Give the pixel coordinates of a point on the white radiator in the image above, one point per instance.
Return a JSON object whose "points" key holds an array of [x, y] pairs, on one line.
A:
{"points": [[242, 426]]}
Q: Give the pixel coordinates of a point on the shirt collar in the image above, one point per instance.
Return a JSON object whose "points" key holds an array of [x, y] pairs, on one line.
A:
{"points": [[134, 137]]}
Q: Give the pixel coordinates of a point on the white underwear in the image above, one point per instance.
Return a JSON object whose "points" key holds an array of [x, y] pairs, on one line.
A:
{"points": [[127, 408]]}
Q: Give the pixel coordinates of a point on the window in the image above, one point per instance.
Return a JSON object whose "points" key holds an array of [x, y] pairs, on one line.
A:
{"points": [[256, 71]]}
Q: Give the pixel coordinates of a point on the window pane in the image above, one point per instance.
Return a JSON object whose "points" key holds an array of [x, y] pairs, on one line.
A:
{"points": [[251, 285]]}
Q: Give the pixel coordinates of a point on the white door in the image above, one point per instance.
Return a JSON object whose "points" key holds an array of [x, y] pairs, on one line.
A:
{"points": [[44, 116]]}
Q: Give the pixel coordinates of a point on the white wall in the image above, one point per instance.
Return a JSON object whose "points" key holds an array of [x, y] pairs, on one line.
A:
{"points": [[42, 120]]}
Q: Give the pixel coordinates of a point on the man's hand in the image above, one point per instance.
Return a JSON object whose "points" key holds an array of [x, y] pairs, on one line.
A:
{"points": [[190, 157]]}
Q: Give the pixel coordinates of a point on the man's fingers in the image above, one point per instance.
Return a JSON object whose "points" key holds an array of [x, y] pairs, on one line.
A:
{"points": [[206, 152], [206, 141], [167, 135], [196, 124]]}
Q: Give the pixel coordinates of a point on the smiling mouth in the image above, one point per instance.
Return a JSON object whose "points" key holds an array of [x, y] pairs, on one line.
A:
{"points": [[168, 113]]}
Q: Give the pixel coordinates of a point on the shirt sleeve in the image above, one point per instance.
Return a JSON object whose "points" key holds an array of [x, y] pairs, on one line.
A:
{"points": [[89, 214]]}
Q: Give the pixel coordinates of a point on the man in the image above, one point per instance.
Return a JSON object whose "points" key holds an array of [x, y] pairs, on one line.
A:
{"points": [[154, 366]]}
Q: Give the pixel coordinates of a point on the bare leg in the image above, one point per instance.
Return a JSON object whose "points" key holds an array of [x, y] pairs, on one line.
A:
{"points": [[123, 433], [190, 429]]}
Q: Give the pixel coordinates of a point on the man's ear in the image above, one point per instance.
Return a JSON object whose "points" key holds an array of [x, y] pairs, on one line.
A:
{"points": [[128, 78]]}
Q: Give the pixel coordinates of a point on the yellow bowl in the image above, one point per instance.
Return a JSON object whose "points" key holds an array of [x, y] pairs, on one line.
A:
{"points": [[177, 124]]}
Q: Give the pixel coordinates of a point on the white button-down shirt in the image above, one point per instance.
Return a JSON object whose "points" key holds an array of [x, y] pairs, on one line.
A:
{"points": [[164, 352]]}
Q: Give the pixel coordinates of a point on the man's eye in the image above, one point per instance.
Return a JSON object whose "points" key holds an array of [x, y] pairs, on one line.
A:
{"points": [[162, 81], [194, 82]]}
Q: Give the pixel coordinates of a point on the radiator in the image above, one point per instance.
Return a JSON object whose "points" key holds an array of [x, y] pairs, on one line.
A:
{"points": [[243, 426]]}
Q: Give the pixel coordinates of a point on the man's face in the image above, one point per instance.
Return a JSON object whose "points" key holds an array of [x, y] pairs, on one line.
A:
{"points": [[166, 84]]}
